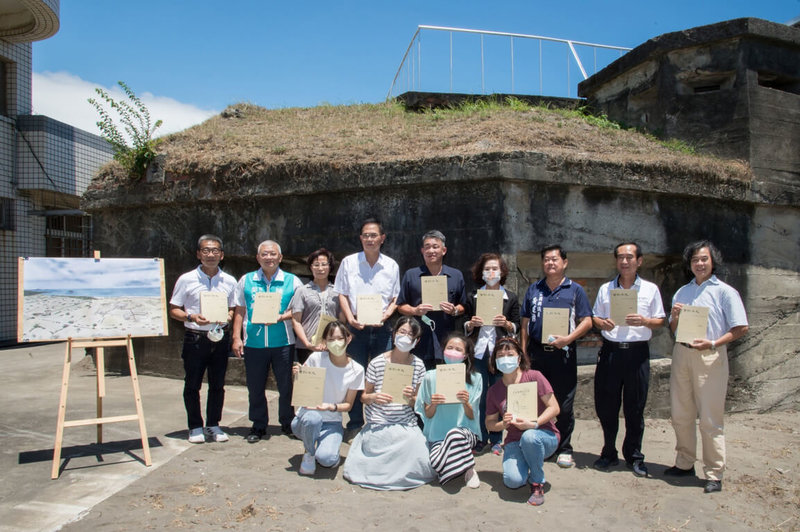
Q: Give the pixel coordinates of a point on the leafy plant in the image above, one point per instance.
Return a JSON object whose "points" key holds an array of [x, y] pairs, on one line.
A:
{"points": [[135, 119]]}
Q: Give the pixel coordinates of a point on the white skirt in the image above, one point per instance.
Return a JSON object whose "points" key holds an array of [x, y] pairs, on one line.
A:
{"points": [[389, 457]]}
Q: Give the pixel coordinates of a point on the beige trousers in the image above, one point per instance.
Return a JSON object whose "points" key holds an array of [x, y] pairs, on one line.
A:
{"points": [[697, 387]]}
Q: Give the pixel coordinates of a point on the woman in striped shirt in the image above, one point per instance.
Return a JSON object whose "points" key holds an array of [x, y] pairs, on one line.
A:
{"points": [[390, 452]]}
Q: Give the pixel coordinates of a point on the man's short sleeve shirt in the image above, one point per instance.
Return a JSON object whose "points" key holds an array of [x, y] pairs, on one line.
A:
{"points": [[356, 277], [188, 287], [649, 305], [258, 334], [568, 294], [725, 307]]}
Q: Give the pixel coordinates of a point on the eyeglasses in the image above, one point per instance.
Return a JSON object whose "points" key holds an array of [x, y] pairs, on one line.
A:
{"points": [[210, 251], [370, 236], [320, 265]]}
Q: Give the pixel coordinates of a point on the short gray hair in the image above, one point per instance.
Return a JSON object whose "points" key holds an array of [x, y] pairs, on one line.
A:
{"points": [[267, 242], [434, 233], [213, 238]]}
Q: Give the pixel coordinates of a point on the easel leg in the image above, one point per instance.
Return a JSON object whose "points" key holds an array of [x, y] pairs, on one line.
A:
{"points": [[100, 363], [138, 399], [62, 411]]}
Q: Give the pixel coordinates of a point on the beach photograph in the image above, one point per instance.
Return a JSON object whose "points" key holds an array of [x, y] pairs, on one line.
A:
{"points": [[75, 298]]}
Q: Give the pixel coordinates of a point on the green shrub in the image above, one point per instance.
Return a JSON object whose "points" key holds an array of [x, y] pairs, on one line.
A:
{"points": [[135, 119]]}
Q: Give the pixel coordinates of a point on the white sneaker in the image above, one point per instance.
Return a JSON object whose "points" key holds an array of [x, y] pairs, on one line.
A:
{"points": [[197, 436], [565, 460], [471, 476], [216, 434], [308, 465]]}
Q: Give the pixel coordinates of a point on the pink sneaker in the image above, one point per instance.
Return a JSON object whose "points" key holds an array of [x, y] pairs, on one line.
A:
{"points": [[537, 494]]}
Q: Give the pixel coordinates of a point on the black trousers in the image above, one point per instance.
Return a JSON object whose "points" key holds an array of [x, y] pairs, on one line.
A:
{"points": [[257, 361], [560, 368], [200, 355], [622, 376]]}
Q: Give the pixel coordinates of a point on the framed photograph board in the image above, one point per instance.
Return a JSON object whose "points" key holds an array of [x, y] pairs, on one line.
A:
{"points": [[84, 298]]}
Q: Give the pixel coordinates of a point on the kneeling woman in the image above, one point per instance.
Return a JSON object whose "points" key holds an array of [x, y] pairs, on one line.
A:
{"points": [[451, 427], [320, 427], [390, 451], [528, 441]]}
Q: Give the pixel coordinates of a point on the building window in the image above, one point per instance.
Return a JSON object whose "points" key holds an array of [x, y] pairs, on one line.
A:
{"points": [[68, 236], [6, 214]]}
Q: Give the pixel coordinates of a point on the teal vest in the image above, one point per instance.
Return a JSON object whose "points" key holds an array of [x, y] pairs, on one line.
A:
{"points": [[275, 335]]}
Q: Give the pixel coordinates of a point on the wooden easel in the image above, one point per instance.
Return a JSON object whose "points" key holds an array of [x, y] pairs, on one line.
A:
{"points": [[99, 346]]}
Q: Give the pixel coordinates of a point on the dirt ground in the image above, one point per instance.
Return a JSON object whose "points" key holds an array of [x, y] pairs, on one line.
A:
{"points": [[241, 486]]}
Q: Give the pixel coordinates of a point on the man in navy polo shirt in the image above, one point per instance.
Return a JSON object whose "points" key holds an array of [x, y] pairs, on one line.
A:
{"points": [[409, 302], [556, 357], [265, 345]]}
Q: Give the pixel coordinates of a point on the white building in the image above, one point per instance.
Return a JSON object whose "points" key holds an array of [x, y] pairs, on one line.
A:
{"points": [[45, 165]]}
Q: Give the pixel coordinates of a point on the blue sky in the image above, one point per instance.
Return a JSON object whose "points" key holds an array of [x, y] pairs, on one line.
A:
{"points": [[189, 59]]}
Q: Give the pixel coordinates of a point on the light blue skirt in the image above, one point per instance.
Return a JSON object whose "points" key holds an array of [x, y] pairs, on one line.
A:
{"points": [[389, 457]]}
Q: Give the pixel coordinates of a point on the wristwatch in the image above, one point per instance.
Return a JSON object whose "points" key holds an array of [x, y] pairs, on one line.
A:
{"points": [[189, 317]]}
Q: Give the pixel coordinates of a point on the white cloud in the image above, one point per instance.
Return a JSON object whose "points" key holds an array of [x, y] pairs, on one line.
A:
{"points": [[62, 96]]}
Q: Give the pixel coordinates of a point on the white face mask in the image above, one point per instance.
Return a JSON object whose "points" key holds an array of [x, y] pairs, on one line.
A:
{"points": [[404, 343], [337, 347], [507, 364], [490, 277]]}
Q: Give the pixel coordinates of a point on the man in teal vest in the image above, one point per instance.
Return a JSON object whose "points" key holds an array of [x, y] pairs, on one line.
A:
{"points": [[266, 344]]}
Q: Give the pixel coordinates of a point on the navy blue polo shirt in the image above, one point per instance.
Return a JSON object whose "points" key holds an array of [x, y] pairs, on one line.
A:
{"points": [[411, 294], [567, 295]]}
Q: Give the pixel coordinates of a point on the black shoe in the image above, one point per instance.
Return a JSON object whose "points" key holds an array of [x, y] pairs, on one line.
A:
{"points": [[638, 467], [712, 486], [604, 463], [676, 471], [256, 435], [287, 431]]}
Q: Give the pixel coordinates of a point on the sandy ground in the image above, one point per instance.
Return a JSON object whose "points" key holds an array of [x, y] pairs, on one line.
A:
{"points": [[241, 486]]}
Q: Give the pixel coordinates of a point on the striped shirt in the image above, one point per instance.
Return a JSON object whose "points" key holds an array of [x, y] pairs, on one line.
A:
{"points": [[400, 414]]}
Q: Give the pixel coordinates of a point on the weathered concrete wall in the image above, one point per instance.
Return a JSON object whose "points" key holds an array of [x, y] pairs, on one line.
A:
{"points": [[514, 203], [731, 89]]}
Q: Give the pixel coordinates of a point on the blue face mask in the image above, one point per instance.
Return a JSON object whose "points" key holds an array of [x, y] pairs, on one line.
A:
{"points": [[507, 364]]}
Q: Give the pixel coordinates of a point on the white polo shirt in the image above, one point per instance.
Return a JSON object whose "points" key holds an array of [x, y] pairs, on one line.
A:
{"points": [[648, 305], [187, 291], [356, 277]]}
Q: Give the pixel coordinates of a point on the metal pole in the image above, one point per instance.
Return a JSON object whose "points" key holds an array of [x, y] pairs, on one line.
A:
{"points": [[419, 63], [541, 90], [402, 62], [512, 65], [483, 85], [451, 61]]}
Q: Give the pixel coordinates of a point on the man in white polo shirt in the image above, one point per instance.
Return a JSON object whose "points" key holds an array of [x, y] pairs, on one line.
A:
{"points": [[699, 378], [206, 345], [622, 374], [367, 272]]}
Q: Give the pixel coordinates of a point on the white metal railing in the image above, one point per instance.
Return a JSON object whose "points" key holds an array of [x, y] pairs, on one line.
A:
{"points": [[410, 72]]}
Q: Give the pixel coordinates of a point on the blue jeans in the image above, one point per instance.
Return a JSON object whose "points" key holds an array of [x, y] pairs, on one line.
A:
{"points": [[321, 439], [200, 355], [257, 361], [366, 345], [523, 459]]}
